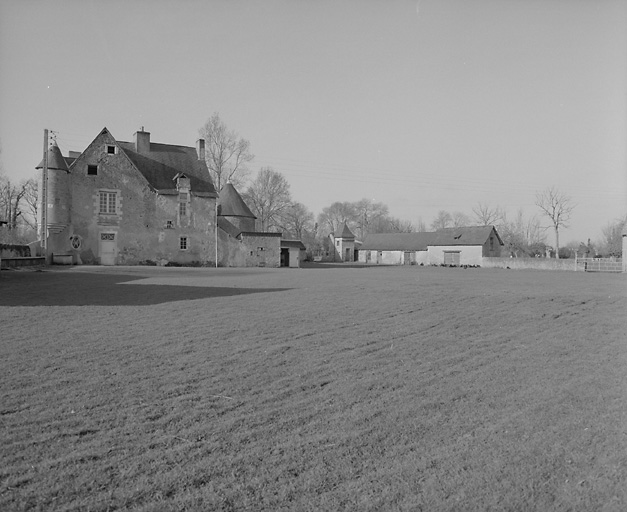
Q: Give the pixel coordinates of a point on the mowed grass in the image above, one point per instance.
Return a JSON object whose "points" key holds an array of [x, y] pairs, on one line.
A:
{"points": [[404, 388]]}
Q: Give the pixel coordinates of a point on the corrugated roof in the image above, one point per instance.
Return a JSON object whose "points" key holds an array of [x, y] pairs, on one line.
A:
{"points": [[231, 203], [55, 160], [473, 235], [165, 161]]}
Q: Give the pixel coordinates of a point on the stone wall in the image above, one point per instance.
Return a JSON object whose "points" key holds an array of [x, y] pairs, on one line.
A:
{"points": [[15, 251], [530, 263]]}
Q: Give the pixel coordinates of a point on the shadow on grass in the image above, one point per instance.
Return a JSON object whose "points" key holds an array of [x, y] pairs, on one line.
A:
{"points": [[83, 289]]}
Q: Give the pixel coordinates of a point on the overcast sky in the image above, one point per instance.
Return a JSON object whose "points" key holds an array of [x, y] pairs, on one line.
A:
{"points": [[428, 105]]}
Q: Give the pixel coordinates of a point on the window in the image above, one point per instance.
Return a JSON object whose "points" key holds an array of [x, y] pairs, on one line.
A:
{"points": [[92, 170], [107, 203], [111, 150], [168, 224], [182, 204], [183, 243]]}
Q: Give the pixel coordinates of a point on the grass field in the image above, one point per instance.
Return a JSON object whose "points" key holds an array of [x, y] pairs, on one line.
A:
{"points": [[404, 388]]}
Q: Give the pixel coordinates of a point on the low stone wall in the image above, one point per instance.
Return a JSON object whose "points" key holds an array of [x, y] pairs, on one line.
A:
{"points": [[15, 251], [532, 263], [13, 256]]}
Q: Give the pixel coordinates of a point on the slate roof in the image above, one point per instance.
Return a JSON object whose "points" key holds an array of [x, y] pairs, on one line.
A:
{"points": [[165, 161], [55, 160], [228, 227], [473, 235], [231, 203], [397, 241], [346, 233]]}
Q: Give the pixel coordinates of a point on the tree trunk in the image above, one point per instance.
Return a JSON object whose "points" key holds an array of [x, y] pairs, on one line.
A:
{"points": [[557, 243]]}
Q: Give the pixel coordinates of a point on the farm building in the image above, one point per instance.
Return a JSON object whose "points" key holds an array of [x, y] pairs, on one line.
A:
{"points": [[127, 203], [240, 242], [342, 247], [451, 246], [292, 253]]}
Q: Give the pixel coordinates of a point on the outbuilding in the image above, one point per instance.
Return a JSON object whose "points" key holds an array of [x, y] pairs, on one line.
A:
{"points": [[450, 246], [292, 253]]}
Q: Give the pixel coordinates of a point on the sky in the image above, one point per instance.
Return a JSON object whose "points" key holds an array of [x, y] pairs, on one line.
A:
{"points": [[423, 105]]}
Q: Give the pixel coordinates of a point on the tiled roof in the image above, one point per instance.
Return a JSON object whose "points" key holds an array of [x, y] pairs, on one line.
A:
{"points": [[231, 203], [165, 161], [55, 159], [474, 235], [297, 244]]}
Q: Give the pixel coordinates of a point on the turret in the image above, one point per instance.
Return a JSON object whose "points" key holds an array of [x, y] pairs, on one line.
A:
{"points": [[57, 200]]}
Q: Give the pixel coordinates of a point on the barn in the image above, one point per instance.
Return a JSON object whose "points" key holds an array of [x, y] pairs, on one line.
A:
{"points": [[450, 246]]}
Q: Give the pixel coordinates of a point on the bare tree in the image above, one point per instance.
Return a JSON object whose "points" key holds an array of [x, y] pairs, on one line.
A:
{"points": [[11, 201], [443, 220], [460, 219], [269, 198], [333, 217], [612, 244], [369, 216], [31, 202], [297, 221], [487, 216], [522, 236], [558, 208], [226, 153], [399, 226]]}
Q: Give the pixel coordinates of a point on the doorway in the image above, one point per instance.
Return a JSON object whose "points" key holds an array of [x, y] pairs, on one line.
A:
{"points": [[108, 248]]}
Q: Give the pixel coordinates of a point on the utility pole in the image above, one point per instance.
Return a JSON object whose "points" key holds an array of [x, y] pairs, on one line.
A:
{"points": [[44, 198]]}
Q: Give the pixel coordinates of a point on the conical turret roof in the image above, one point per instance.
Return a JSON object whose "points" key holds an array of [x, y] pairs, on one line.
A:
{"points": [[55, 159], [346, 233], [231, 203]]}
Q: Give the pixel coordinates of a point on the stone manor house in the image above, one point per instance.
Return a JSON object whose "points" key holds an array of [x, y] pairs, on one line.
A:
{"points": [[127, 203]]}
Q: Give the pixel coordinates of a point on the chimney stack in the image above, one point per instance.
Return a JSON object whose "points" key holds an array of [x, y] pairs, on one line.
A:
{"points": [[200, 149], [142, 141]]}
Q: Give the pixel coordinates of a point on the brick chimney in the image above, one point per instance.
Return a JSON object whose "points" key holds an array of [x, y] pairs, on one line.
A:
{"points": [[200, 149], [142, 141]]}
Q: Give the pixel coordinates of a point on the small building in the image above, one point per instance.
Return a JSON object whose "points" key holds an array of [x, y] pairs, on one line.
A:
{"points": [[451, 246], [292, 253], [342, 247], [239, 243]]}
